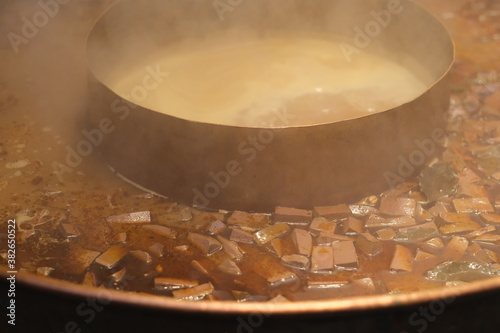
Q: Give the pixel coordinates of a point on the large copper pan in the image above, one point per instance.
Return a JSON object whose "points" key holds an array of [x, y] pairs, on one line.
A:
{"points": [[301, 166], [50, 305], [54, 306]]}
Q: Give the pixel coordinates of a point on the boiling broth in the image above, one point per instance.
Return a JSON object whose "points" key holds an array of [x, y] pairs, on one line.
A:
{"points": [[244, 83]]}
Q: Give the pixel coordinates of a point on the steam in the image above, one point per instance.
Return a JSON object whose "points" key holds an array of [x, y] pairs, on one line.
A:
{"points": [[48, 69]]}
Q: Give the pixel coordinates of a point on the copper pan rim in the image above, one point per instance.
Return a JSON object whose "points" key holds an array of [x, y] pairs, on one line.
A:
{"points": [[348, 304]]}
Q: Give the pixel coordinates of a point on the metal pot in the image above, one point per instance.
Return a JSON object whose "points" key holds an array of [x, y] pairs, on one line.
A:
{"points": [[300, 166]]}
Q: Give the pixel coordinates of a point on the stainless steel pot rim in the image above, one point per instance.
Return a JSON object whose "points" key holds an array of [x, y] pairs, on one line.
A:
{"points": [[439, 79], [296, 180]]}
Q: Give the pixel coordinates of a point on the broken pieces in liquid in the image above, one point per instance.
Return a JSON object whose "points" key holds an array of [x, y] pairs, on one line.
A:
{"points": [[246, 83]]}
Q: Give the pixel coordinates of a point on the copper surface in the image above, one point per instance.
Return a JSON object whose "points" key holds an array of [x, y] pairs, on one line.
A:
{"points": [[224, 307], [302, 166], [480, 60]]}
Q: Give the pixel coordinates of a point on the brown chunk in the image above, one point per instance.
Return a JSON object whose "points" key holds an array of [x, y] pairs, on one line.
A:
{"points": [[438, 208], [344, 255], [473, 205], [231, 248], [176, 215], [166, 283], [417, 196], [161, 230], [267, 234], [458, 228], [248, 220], [480, 232], [194, 293], [275, 273], [276, 247], [320, 224], [400, 222], [474, 248], [488, 239], [241, 236], [376, 221], [371, 200], [157, 250], [325, 284], [199, 267], [181, 248], [336, 212], [467, 175], [467, 180], [241, 296], [279, 278], [228, 266], [302, 240], [491, 218], [398, 206], [450, 217], [456, 248], [421, 255], [120, 237], [365, 283], [368, 244], [433, 244], [89, 280], [131, 218], [141, 256], [112, 256], [386, 234], [216, 227], [204, 218], [352, 226], [322, 258], [327, 238], [79, 260], [487, 256], [208, 245], [362, 210], [292, 216], [422, 214], [296, 261], [402, 259]]}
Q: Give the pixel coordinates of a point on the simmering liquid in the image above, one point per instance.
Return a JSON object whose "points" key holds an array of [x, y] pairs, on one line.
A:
{"points": [[246, 83]]}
